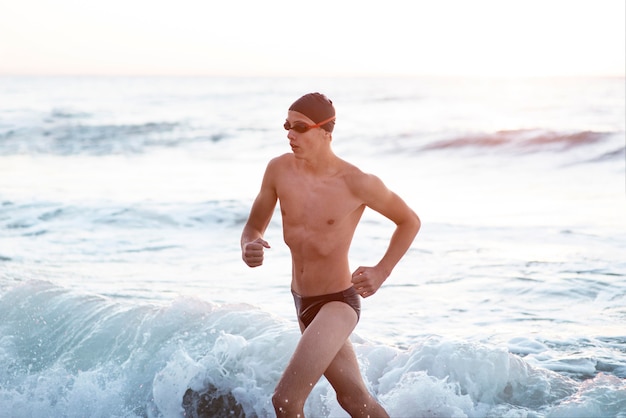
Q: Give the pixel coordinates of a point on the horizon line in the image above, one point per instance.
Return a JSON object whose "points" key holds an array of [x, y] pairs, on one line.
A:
{"points": [[305, 75]]}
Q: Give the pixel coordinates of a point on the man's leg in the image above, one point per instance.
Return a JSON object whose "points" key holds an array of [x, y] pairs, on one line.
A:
{"points": [[352, 394], [317, 348]]}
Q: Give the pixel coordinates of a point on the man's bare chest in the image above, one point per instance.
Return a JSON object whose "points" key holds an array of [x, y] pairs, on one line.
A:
{"points": [[320, 202]]}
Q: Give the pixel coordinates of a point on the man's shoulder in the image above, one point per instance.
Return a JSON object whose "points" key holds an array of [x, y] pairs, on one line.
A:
{"points": [[353, 174], [359, 182], [280, 162], [282, 159]]}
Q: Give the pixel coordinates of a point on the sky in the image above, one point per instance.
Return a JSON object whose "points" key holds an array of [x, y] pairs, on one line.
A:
{"points": [[324, 38]]}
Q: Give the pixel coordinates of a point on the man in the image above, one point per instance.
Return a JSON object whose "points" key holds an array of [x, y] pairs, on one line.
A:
{"points": [[322, 198]]}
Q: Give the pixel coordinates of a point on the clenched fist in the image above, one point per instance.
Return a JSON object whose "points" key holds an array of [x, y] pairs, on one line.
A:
{"points": [[252, 252]]}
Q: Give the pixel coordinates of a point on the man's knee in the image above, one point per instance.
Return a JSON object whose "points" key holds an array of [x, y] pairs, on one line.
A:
{"points": [[350, 401], [284, 406], [356, 402]]}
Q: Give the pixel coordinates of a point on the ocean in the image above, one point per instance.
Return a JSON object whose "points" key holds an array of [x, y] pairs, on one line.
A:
{"points": [[123, 293]]}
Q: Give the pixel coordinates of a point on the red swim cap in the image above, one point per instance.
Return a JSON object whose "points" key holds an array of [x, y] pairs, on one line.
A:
{"points": [[316, 107]]}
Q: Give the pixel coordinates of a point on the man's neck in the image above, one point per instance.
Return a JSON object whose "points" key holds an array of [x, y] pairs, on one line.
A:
{"points": [[323, 165]]}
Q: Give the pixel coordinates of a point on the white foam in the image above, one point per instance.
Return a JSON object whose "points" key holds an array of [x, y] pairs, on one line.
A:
{"points": [[602, 396], [69, 354]]}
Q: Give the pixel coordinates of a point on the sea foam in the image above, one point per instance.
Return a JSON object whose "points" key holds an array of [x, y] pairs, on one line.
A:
{"points": [[64, 353]]}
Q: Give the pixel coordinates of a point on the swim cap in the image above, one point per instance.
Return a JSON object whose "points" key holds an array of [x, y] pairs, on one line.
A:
{"points": [[316, 107]]}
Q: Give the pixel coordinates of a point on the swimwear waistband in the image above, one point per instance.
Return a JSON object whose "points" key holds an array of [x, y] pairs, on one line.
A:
{"points": [[348, 292]]}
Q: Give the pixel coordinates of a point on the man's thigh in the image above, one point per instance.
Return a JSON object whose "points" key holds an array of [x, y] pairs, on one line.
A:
{"points": [[319, 345], [343, 373]]}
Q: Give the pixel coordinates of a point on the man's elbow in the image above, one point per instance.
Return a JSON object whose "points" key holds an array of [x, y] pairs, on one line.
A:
{"points": [[415, 222], [411, 222]]}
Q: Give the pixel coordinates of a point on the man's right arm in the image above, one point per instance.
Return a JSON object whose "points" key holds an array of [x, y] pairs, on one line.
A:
{"points": [[252, 242]]}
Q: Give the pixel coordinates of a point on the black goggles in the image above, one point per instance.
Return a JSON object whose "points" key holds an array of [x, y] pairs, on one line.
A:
{"points": [[302, 127]]}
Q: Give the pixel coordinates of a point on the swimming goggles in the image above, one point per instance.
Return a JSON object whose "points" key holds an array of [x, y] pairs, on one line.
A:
{"points": [[302, 127]]}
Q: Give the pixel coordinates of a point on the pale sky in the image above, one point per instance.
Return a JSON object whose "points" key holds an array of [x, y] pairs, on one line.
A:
{"points": [[325, 37]]}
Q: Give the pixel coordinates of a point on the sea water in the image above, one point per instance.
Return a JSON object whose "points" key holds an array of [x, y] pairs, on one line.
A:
{"points": [[123, 293]]}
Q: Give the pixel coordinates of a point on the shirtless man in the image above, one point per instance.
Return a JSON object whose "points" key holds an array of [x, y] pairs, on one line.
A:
{"points": [[322, 198]]}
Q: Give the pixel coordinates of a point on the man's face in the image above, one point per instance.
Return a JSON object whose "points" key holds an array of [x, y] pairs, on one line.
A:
{"points": [[304, 143]]}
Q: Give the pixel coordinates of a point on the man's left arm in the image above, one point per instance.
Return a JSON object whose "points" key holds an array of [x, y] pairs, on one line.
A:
{"points": [[367, 280]]}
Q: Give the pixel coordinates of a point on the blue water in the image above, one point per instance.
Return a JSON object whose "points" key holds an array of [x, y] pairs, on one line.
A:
{"points": [[122, 286]]}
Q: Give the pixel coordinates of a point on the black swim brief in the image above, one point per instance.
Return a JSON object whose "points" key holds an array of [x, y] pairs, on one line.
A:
{"points": [[308, 307]]}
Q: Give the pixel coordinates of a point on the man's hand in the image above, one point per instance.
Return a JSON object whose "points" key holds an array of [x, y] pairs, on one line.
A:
{"points": [[252, 252], [367, 280]]}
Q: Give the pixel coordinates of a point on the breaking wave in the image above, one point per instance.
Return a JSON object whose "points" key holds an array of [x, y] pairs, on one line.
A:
{"points": [[68, 354]]}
